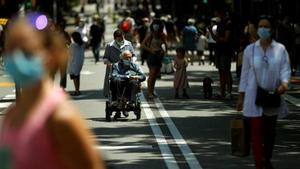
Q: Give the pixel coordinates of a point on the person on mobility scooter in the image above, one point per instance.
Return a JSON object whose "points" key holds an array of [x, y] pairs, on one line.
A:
{"points": [[125, 82]]}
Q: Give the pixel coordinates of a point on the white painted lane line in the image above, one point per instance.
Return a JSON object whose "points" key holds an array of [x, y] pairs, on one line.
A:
{"points": [[5, 105], [9, 97], [141, 147], [183, 146], [160, 139], [292, 100]]}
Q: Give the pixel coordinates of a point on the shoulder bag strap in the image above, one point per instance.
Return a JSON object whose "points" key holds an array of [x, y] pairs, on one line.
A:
{"points": [[253, 50]]}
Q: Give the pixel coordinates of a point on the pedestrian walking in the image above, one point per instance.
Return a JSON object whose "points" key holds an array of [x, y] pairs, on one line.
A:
{"points": [[127, 25], [112, 55], [266, 68], [210, 39], [201, 46], [180, 79], [96, 36], [141, 32], [189, 39], [224, 53], [76, 61], [42, 129], [155, 44]]}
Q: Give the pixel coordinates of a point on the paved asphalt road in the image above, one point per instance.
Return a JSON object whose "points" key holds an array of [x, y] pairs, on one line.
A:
{"points": [[172, 133]]}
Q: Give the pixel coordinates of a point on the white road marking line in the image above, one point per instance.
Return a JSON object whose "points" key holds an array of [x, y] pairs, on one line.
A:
{"points": [[4, 105], [183, 146], [147, 147], [292, 100], [86, 72], [9, 97], [160, 139]]}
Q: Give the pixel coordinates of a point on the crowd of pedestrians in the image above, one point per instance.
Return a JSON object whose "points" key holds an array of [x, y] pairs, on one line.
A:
{"points": [[266, 54]]}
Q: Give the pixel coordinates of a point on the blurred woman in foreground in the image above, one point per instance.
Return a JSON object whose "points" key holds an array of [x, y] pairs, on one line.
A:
{"points": [[44, 130]]}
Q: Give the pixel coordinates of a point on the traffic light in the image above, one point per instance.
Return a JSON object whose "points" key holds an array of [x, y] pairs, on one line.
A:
{"points": [[205, 1]]}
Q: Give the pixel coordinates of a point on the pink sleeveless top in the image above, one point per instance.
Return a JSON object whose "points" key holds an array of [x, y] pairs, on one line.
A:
{"points": [[30, 144]]}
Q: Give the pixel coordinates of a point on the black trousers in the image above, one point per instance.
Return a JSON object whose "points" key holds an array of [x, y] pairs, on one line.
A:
{"points": [[124, 89]]}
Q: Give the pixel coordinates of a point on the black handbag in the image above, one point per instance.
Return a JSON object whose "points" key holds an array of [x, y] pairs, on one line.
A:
{"points": [[265, 98]]}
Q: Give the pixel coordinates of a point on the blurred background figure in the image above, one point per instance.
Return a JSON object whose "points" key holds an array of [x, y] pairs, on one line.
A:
{"points": [[172, 32], [211, 42], [181, 83], [82, 28], [141, 32], [250, 32], [127, 25], [201, 46], [189, 39], [96, 36], [76, 60], [43, 130], [224, 52]]}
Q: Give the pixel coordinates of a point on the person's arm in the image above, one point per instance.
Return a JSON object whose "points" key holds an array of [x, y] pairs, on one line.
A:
{"points": [[244, 76], [72, 139], [285, 73], [140, 75], [145, 44], [116, 73]]}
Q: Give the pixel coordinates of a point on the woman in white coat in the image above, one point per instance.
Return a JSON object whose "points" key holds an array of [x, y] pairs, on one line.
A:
{"points": [[265, 63]]}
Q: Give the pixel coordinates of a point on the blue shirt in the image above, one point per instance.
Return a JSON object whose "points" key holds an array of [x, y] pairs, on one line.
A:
{"points": [[113, 51], [120, 72]]}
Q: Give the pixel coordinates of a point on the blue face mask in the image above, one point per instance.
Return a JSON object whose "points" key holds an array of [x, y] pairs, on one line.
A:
{"points": [[25, 70], [264, 33], [126, 63]]}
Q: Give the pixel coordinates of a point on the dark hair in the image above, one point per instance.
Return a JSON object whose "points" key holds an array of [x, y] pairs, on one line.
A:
{"points": [[269, 18], [76, 36], [118, 33], [180, 50]]}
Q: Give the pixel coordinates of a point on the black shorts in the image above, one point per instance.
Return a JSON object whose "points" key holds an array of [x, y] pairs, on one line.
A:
{"points": [[154, 60], [74, 77]]}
